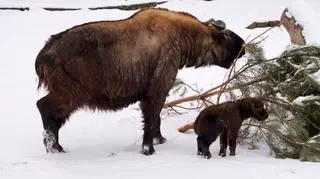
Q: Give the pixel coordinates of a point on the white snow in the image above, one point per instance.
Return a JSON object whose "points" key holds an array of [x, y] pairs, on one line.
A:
{"points": [[108, 144], [299, 100], [288, 14], [71, 3], [316, 76]]}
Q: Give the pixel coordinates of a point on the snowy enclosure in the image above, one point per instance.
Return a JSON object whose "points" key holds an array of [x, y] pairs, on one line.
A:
{"points": [[107, 144]]}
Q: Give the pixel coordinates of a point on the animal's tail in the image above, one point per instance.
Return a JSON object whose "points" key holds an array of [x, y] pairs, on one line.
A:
{"points": [[186, 127]]}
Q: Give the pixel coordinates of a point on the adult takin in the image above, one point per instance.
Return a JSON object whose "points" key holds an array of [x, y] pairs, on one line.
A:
{"points": [[225, 119], [108, 65]]}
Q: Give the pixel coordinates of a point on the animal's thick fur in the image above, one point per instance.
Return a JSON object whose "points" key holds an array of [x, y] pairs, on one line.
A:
{"points": [[109, 65], [225, 119]]}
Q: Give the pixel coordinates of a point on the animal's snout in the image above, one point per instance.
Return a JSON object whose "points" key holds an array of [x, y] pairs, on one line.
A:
{"points": [[265, 115], [262, 115], [243, 51]]}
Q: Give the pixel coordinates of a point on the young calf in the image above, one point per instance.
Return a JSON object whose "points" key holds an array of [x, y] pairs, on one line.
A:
{"points": [[225, 119]]}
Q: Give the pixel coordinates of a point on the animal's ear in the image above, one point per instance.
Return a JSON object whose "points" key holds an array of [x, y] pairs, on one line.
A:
{"points": [[215, 24], [256, 106], [219, 25], [259, 111]]}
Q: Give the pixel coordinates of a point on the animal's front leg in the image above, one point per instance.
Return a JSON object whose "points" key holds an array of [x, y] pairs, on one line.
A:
{"points": [[51, 124], [152, 103], [151, 108], [158, 138]]}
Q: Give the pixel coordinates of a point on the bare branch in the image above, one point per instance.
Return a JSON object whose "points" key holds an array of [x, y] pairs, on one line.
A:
{"points": [[265, 24], [206, 95]]}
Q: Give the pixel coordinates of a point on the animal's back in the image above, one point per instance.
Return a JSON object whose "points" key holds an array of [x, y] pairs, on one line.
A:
{"points": [[214, 117], [112, 59]]}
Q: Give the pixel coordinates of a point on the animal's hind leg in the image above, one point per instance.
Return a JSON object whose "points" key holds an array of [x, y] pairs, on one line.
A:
{"points": [[48, 108], [204, 143], [233, 143], [223, 143], [199, 146]]}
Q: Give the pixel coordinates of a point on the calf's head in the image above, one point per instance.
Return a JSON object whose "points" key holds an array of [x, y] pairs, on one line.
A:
{"points": [[258, 110], [227, 45]]}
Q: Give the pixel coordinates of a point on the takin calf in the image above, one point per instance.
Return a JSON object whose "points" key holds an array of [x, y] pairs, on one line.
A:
{"points": [[108, 65], [225, 119]]}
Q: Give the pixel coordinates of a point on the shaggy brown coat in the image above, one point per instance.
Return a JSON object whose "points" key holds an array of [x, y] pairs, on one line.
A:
{"points": [[225, 119], [109, 65]]}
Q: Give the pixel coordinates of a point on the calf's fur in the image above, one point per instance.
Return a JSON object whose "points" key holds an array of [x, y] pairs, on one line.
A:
{"points": [[225, 119]]}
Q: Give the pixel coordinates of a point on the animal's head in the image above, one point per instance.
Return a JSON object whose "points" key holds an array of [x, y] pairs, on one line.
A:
{"points": [[258, 110], [227, 45]]}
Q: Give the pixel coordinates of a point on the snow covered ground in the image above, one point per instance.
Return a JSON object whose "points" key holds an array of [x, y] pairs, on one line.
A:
{"points": [[106, 145], [71, 3]]}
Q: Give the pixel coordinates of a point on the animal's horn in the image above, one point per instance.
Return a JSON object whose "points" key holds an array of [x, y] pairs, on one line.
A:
{"points": [[210, 21], [219, 24]]}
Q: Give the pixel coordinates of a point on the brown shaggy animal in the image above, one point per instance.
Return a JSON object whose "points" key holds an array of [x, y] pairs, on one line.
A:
{"points": [[108, 65], [225, 119]]}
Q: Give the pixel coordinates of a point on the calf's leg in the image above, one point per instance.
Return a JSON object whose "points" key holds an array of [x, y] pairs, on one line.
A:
{"points": [[200, 146], [223, 143], [203, 143], [233, 143]]}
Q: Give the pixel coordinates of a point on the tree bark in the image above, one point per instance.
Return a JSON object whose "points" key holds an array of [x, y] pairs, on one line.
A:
{"points": [[263, 24], [294, 29]]}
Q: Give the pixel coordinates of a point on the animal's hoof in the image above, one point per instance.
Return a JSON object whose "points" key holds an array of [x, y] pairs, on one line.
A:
{"points": [[232, 154], [50, 142], [200, 153], [159, 140], [222, 153], [147, 150], [57, 148], [207, 156]]}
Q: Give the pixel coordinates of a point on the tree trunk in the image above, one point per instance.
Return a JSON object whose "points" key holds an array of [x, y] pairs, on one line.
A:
{"points": [[294, 29]]}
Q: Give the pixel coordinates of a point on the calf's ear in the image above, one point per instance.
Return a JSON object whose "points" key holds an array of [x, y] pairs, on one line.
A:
{"points": [[256, 107]]}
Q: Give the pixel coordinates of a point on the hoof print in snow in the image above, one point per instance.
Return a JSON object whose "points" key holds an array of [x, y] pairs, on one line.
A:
{"points": [[112, 155]]}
